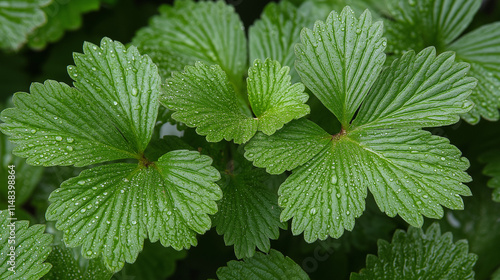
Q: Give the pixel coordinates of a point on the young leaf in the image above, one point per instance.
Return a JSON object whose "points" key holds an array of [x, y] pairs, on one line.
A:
{"points": [[481, 48], [61, 16], [32, 247], [273, 99], [418, 90], [248, 213], [210, 32], [214, 109], [334, 58], [18, 18], [492, 168], [275, 34], [110, 114], [273, 266], [326, 192], [418, 255], [111, 209]]}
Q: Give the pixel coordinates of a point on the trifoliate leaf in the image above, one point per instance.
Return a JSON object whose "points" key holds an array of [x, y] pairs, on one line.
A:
{"points": [[328, 186], [210, 32], [273, 266], [61, 16], [492, 158], [111, 209], [273, 99], [203, 97], [66, 266], [334, 58], [18, 18], [481, 48], [418, 255], [29, 245], [248, 213], [275, 34], [292, 146], [418, 90], [416, 24], [110, 114]]}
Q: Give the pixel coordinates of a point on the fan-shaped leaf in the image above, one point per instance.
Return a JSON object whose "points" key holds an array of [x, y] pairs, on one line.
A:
{"points": [[110, 114], [111, 209]]}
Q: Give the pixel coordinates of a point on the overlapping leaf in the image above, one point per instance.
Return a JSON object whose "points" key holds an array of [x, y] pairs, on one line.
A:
{"points": [[273, 266], [189, 32], [409, 172], [109, 114], [248, 213], [18, 18], [203, 97], [61, 16], [421, 23], [111, 209], [481, 48], [275, 34], [419, 255], [334, 58], [32, 247]]}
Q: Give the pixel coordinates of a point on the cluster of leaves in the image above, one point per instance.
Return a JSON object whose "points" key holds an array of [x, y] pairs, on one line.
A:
{"points": [[253, 153]]}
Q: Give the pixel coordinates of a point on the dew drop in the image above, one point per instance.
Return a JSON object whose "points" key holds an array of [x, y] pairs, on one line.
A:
{"points": [[134, 92], [69, 148], [70, 140], [59, 138], [312, 211], [81, 182], [334, 179], [33, 131]]}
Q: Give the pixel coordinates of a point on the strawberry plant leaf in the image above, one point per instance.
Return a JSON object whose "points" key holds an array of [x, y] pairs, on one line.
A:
{"points": [[18, 18], [32, 247], [61, 16], [214, 109], [274, 100], [111, 209], [292, 146], [210, 32], [417, 24], [481, 49], [418, 90], [273, 266], [275, 34], [248, 213], [395, 159], [492, 168], [109, 114], [335, 56], [418, 255]]}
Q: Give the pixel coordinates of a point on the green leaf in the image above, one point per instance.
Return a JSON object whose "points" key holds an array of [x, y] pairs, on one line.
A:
{"points": [[273, 266], [275, 34], [492, 168], [418, 90], [334, 58], [419, 255], [214, 109], [292, 146], [26, 176], [481, 49], [18, 18], [210, 32], [416, 24], [111, 209], [66, 265], [248, 213], [31, 245], [61, 16], [274, 100], [109, 114]]}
